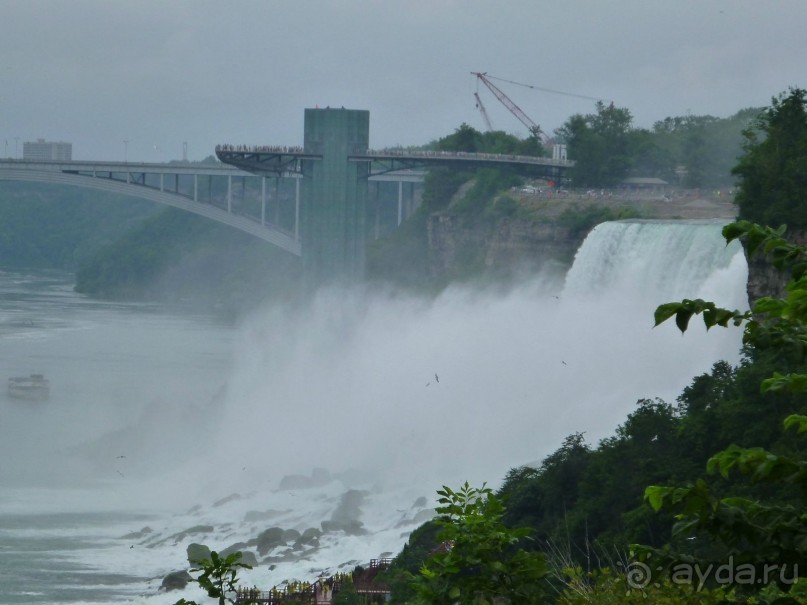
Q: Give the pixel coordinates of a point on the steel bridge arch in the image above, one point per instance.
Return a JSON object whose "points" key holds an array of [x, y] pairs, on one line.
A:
{"points": [[266, 232]]}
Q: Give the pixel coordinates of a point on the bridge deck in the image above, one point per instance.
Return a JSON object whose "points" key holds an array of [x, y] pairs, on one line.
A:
{"points": [[176, 185], [273, 159]]}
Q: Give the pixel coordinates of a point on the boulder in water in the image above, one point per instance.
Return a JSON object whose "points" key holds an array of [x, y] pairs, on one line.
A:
{"points": [[310, 537], [269, 539], [136, 535], [197, 552], [176, 580]]}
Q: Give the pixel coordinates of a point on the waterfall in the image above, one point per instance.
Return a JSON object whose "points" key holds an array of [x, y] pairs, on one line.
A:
{"points": [[663, 260]]}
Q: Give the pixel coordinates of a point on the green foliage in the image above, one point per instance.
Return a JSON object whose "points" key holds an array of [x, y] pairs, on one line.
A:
{"points": [[749, 530], [468, 139], [773, 169], [128, 248], [53, 226], [580, 220], [219, 577], [693, 151], [403, 256], [179, 256], [481, 560], [440, 186], [479, 200], [608, 587], [590, 498], [407, 564], [752, 530], [706, 147], [465, 138], [599, 144], [347, 595]]}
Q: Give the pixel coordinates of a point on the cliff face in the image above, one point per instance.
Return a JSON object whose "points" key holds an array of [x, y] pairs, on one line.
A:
{"points": [[505, 247], [763, 278]]}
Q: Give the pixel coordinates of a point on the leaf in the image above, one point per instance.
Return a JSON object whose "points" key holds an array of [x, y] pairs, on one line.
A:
{"points": [[682, 319], [655, 496], [796, 421], [794, 383], [665, 311]]}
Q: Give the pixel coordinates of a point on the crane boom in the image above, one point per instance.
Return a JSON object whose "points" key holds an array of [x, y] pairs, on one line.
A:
{"points": [[483, 111], [508, 102]]}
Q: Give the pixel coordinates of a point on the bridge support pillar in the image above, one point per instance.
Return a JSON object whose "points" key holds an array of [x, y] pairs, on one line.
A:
{"points": [[263, 200], [400, 202], [297, 209]]}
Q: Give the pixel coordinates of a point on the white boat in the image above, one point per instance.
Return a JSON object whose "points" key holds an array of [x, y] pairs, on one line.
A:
{"points": [[34, 387]]}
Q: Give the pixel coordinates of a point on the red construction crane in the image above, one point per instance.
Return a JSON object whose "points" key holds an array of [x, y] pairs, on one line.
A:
{"points": [[515, 109], [507, 102], [481, 107]]}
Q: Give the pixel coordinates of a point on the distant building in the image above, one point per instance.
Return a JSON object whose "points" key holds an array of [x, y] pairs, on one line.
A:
{"points": [[47, 150]]}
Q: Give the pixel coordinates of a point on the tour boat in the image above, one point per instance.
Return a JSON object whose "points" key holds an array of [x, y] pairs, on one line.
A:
{"points": [[34, 387]]}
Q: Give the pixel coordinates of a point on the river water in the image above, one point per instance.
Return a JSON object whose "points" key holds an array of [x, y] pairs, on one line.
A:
{"points": [[65, 462], [166, 428]]}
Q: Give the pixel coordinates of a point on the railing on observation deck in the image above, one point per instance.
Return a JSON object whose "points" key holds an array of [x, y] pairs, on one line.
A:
{"points": [[529, 159], [319, 592], [401, 153]]}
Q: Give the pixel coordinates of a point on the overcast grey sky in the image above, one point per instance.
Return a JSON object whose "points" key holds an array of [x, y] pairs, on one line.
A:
{"points": [[160, 73]]}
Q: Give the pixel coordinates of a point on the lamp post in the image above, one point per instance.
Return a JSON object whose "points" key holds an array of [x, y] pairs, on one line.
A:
{"points": [[16, 155], [125, 151]]}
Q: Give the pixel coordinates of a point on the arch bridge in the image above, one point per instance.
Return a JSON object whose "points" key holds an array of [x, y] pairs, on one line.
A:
{"points": [[218, 192], [331, 173]]}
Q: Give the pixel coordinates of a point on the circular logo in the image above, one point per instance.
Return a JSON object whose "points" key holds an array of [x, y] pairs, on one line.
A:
{"points": [[638, 575]]}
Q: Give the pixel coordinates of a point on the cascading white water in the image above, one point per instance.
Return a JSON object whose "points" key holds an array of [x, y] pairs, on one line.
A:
{"points": [[518, 370], [669, 260], [420, 392]]}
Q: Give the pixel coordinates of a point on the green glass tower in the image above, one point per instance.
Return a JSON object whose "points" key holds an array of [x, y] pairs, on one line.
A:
{"points": [[333, 213]]}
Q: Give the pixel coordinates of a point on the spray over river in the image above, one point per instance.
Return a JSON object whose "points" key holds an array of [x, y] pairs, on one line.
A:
{"points": [[165, 429]]}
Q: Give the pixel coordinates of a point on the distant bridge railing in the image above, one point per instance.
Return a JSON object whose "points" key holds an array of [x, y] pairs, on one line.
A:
{"points": [[465, 155], [394, 160], [271, 159]]}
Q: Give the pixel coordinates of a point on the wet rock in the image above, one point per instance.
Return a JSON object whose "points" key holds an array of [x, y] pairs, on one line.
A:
{"points": [[351, 527], [197, 552], [247, 556], [196, 529], [176, 580], [136, 535], [223, 501], [310, 537], [269, 539], [349, 507]]}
